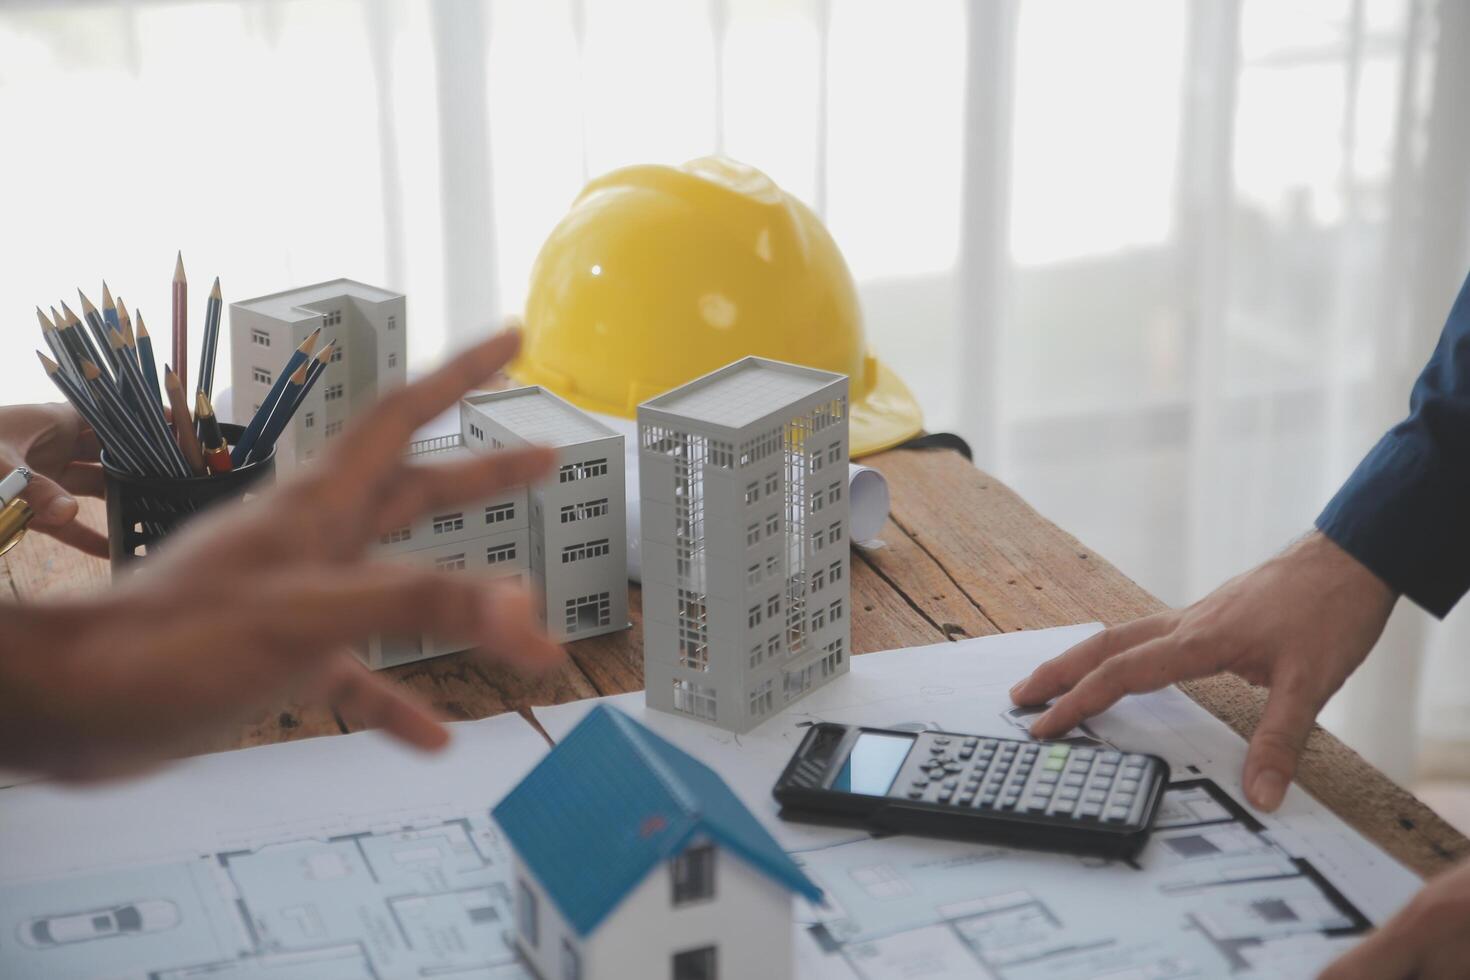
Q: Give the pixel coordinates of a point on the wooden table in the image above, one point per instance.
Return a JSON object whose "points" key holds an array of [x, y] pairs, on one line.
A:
{"points": [[962, 556]]}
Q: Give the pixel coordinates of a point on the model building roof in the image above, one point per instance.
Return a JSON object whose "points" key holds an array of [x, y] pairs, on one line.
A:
{"points": [[612, 802], [294, 304], [539, 417], [743, 392]]}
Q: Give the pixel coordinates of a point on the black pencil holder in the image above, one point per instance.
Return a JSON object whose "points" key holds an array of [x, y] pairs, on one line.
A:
{"points": [[142, 510]]}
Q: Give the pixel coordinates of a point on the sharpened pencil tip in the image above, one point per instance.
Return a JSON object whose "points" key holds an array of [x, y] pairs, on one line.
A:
{"points": [[215, 293], [142, 328], [298, 376], [87, 306], [90, 371], [309, 344], [45, 323], [115, 339], [179, 267], [107, 303], [71, 318], [51, 366]]}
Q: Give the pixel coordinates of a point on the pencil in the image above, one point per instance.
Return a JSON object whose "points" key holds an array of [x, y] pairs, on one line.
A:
{"points": [[116, 447], [145, 354], [78, 339], [52, 335], [257, 422], [211, 340], [301, 381], [130, 342], [152, 421], [109, 403], [99, 329], [216, 453], [109, 308], [181, 320], [183, 424]]}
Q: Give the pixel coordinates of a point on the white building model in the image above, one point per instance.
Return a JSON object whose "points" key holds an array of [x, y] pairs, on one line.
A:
{"points": [[578, 526], [742, 477], [369, 325]]}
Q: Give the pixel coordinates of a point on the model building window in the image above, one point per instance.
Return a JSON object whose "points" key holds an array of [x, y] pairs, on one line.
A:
{"points": [[834, 571], [834, 492], [757, 654], [832, 658], [773, 524], [497, 553], [393, 323], [772, 563], [332, 429], [450, 563], [819, 538], [816, 460], [260, 375], [333, 392], [694, 874], [760, 698], [336, 354], [445, 523], [753, 618], [834, 453], [795, 682], [308, 420], [752, 493], [773, 606], [773, 483], [817, 500], [585, 470], [333, 318], [819, 579], [694, 699], [834, 533], [475, 431], [588, 612], [753, 574], [584, 511], [260, 338], [392, 358], [752, 534], [819, 619], [526, 914], [835, 610], [497, 513], [589, 549], [696, 964], [396, 535], [773, 647]]}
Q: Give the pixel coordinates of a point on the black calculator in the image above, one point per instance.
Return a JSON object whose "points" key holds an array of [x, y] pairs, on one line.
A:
{"points": [[1049, 795]]}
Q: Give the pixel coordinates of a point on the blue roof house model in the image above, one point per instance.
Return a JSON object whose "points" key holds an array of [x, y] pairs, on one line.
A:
{"points": [[633, 859]]}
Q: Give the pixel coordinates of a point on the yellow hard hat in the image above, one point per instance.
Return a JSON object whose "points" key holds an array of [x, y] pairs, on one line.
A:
{"points": [[659, 275]]}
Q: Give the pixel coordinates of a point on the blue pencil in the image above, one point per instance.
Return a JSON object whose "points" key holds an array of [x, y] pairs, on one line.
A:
{"points": [[303, 378], [248, 439], [145, 354]]}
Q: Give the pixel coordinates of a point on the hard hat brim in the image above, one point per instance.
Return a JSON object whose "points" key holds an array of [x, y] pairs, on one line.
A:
{"points": [[886, 417]]}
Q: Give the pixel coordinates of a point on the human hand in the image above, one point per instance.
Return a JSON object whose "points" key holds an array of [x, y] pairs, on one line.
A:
{"points": [[1298, 624], [259, 602], [61, 452], [1427, 940]]}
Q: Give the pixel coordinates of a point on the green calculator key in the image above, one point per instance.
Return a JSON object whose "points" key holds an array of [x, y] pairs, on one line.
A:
{"points": [[1057, 757]]}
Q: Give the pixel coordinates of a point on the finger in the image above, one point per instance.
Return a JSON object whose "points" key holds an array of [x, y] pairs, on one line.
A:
{"points": [[79, 536], [423, 488], [84, 480], [53, 506], [377, 440], [1389, 953], [373, 701], [1281, 734], [1061, 674], [1147, 667], [518, 639]]}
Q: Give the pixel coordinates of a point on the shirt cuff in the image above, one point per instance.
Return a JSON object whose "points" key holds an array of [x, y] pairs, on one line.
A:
{"points": [[1407, 521]]}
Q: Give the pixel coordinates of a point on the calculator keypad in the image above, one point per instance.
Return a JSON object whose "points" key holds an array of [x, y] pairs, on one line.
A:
{"points": [[1003, 775]]}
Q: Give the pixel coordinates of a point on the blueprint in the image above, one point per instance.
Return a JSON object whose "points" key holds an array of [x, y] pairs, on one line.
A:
{"points": [[1220, 891], [353, 858]]}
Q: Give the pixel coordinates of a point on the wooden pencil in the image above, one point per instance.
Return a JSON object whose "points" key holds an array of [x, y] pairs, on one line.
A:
{"points": [[183, 423], [149, 412], [300, 386], [181, 321], [257, 422], [127, 427], [209, 348], [99, 329], [117, 448], [78, 338], [109, 308], [130, 344], [146, 359]]}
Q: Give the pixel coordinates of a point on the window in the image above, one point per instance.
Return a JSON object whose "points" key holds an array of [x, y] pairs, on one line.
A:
{"points": [[752, 535], [392, 358], [450, 563], [834, 533], [332, 318], [753, 574], [834, 453], [753, 618], [396, 535], [695, 964], [333, 392], [589, 549], [526, 917], [752, 493], [585, 470], [795, 682], [584, 511], [819, 619], [498, 513], [819, 579], [835, 610], [760, 698], [332, 429], [819, 538], [832, 657], [834, 492], [773, 483], [393, 323], [834, 571], [336, 354], [818, 499], [757, 654], [498, 553], [445, 523], [571, 961], [773, 606], [694, 699], [259, 338], [816, 460], [477, 432], [693, 630], [773, 647], [772, 564], [588, 612], [773, 524], [260, 375], [308, 420], [694, 874]]}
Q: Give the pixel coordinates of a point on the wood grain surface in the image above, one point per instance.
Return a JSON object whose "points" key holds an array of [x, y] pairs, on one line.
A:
{"points": [[962, 556]]}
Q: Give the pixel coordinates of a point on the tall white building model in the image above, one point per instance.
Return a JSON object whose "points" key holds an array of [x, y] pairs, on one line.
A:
{"points": [[369, 325], [578, 526], [742, 477]]}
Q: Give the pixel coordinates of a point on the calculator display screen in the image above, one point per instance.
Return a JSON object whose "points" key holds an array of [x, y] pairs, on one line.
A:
{"points": [[874, 761]]}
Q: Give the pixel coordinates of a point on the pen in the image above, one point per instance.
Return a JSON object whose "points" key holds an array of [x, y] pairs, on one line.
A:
{"points": [[15, 513]]}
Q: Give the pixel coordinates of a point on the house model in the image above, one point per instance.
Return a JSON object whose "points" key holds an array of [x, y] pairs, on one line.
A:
{"points": [[633, 859], [578, 524], [742, 477], [492, 538], [369, 325]]}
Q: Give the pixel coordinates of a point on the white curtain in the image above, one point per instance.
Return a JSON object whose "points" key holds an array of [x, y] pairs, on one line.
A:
{"points": [[1170, 266]]}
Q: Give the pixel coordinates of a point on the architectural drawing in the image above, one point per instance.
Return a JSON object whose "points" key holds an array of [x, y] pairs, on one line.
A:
{"points": [[743, 508], [490, 537], [370, 327], [632, 859], [578, 530]]}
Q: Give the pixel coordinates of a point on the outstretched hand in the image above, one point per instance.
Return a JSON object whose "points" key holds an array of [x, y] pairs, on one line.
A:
{"points": [[260, 601], [1298, 624], [61, 452]]}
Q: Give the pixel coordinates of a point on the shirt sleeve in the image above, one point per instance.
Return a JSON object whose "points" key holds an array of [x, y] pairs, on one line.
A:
{"points": [[1405, 511]]}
